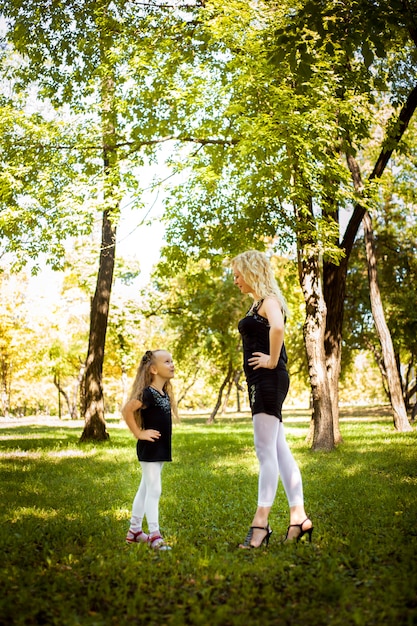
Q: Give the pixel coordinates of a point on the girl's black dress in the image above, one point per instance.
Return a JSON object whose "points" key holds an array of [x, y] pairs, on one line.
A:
{"points": [[267, 388], [156, 414]]}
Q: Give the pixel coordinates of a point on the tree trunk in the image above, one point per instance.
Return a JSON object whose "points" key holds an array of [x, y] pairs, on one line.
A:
{"points": [[227, 394], [401, 422], [192, 380], [95, 424], [220, 394], [238, 389], [314, 333], [334, 292], [61, 391]]}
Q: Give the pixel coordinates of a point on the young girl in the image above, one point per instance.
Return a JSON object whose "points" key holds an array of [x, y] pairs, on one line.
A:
{"points": [[148, 416]]}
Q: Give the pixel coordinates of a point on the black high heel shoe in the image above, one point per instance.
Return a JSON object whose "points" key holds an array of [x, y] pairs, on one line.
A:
{"points": [[307, 531], [248, 538]]}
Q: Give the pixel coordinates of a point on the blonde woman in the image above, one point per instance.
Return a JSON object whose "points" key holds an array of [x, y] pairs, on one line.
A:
{"points": [[148, 416], [265, 359]]}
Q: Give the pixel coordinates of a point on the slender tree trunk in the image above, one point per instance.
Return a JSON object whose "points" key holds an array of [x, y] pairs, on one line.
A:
{"points": [[228, 392], [334, 291], [228, 376], [401, 422], [314, 333], [192, 380], [95, 424], [238, 389], [61, 391]]}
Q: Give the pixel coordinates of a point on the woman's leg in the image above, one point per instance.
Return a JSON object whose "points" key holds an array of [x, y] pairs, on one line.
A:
{"points": [[293, 484], [265, 429], [289, 470]]}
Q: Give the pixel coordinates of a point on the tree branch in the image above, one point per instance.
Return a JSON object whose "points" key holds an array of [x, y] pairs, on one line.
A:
{"points": [[136, 145], [390, 144]]}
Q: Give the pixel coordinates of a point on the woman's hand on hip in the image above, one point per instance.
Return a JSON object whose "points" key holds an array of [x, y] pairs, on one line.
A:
{"points": [[259, 359]]}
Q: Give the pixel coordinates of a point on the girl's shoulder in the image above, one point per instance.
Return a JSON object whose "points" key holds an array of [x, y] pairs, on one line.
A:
{"points": [[147, 395]]}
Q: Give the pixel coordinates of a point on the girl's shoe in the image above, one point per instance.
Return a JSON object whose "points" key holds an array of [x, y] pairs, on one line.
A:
{"points": [[157, 543], [247, 543], [301, 533], [136, 537]]}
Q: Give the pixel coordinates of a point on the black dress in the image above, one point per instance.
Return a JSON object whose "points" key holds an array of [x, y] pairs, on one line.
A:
{"points": [[267, 388], [156, 414]]}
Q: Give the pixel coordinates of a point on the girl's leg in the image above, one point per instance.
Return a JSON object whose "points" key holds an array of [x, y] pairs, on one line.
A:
{"points": [[151, 472], [135, 533], [138, 507]]}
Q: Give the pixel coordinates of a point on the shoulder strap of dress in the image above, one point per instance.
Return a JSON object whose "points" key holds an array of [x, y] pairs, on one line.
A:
{"points": [[258, 305]]}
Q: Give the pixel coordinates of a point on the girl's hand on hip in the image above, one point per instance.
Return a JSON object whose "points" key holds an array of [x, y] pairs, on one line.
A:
{"points": [[149, 434], [259, 359]]}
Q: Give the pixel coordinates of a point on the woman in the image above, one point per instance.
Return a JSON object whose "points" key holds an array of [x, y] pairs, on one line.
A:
{"points": [[265, 359]]}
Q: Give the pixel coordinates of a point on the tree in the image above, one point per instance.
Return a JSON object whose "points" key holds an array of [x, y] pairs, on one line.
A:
{"points": [[306, 89], [91, 58], [393, 378], [395, 246], [200, 306]]}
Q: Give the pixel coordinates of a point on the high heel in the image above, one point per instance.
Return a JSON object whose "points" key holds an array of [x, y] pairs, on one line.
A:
{"points": [[307, 531], [248, 538]]}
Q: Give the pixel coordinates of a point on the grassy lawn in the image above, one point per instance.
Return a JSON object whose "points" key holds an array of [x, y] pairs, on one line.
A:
{"points": [[65, 509]]}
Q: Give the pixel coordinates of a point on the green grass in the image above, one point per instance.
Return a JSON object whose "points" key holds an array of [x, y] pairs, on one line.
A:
{"points": [[65, 509]]}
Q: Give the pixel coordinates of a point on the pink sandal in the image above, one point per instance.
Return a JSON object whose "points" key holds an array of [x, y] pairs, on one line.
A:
{"points": [[138, 537], [157, 543]]}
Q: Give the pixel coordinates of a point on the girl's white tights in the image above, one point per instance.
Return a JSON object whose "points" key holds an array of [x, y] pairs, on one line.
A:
{"points": [[146, 502], [275, 459]]}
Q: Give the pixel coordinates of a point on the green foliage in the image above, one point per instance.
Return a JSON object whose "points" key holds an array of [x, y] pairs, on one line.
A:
{"points": [[66, 509]]}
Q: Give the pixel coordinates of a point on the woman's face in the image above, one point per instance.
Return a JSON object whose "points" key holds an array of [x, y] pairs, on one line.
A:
{"points": [[239, 282]]}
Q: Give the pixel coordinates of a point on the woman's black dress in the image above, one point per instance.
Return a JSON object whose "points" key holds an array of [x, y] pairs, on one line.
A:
{"points": [[156, 414], [267, 388]]}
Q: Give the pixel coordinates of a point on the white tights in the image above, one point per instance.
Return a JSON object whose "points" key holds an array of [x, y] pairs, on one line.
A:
{"points": [[146, 501], [275, 459]]}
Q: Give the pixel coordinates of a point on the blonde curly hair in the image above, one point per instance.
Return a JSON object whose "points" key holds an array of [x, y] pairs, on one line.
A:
{"points": [[256, 271]]}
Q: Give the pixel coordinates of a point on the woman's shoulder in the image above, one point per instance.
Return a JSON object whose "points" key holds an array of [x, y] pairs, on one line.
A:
{"points": [[271, 307]]}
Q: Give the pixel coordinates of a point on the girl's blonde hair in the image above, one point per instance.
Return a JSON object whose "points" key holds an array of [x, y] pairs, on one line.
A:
{"points": [[256, 271], [143, 379]]}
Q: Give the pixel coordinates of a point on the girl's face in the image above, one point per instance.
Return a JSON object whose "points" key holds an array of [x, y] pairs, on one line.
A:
{"points": [[163, 364], [240, 283]]}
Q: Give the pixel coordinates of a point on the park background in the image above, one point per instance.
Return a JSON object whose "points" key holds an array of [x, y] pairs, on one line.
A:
{"points": [[144, 144]]}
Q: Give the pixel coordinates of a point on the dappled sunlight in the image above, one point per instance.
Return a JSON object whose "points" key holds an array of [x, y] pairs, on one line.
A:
{"points": [[25, 512], [21, 454], [53, 454]]}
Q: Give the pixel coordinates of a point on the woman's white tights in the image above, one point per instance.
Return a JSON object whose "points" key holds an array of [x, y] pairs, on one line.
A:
{"points": [[275, 459], [146, 502]]}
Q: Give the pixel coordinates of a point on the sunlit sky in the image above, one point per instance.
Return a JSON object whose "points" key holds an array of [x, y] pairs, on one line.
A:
{"points": [[140, 235]]}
